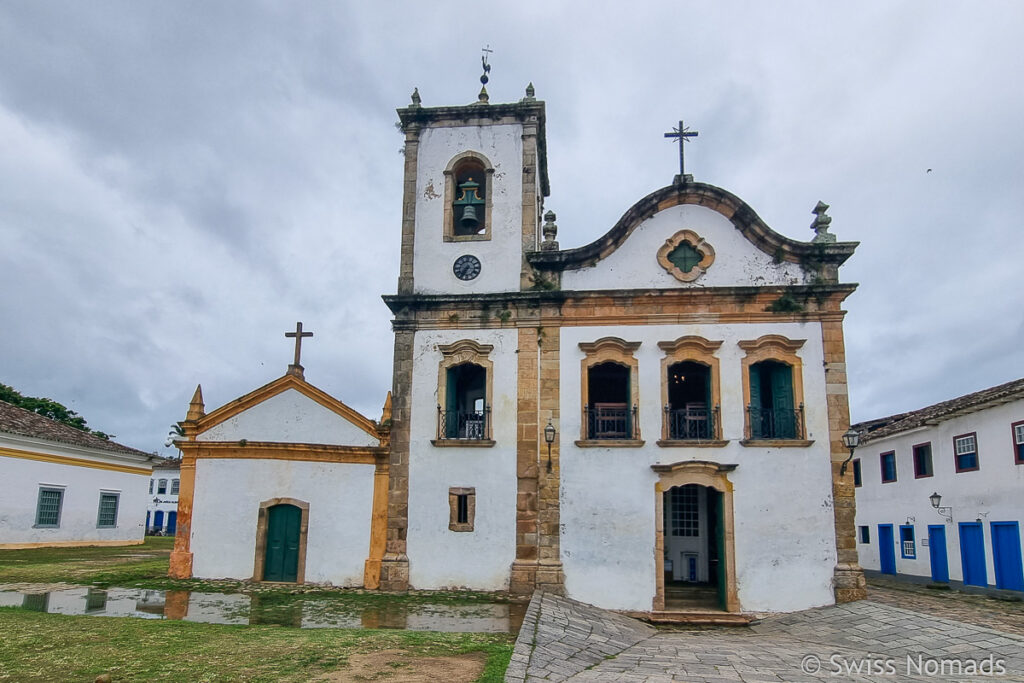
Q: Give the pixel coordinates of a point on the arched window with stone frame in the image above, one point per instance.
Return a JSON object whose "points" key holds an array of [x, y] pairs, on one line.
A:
{"points": [[610, 393], [773, 389], [468, 197], [464, 391], [690, 392]]}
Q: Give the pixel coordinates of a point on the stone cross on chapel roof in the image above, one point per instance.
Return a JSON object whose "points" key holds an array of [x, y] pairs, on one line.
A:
{"points": [[296, 368]]}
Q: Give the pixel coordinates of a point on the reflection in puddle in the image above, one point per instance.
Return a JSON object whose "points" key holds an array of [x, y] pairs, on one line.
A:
{"points": [[294, 611]]}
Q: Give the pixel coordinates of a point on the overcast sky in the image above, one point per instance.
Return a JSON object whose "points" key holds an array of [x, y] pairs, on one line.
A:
{"points": [[180, 182]]}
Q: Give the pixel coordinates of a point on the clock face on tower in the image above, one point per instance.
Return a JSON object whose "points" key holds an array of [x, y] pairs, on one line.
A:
{"points": [[466, 267]]}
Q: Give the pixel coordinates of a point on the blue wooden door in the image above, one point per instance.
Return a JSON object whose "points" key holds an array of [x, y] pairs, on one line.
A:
{"points": [[886, 549], [972, 554], [172, 522], [937, 553], [158, 520], [1006, 556]]}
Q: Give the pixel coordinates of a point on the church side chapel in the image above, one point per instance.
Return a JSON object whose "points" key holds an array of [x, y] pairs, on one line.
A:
{"points": [[649, 422], [283, 484]]}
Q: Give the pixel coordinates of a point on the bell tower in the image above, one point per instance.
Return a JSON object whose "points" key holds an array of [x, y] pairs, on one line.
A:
{"points": [[473, 193]]}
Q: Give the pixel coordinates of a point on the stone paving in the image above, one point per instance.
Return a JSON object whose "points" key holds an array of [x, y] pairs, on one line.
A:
{"points": [[865, 641]]}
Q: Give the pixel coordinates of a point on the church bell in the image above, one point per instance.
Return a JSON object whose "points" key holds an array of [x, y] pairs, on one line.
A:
{"points": [[469, 219]]}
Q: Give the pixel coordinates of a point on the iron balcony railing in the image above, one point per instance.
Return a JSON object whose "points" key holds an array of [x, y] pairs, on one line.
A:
{"points": [[611, 421], [471, 425], [776, 423], [691, 423]]}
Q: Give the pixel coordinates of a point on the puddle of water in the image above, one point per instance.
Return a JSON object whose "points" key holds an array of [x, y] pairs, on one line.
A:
{"points": [[292, 611]]}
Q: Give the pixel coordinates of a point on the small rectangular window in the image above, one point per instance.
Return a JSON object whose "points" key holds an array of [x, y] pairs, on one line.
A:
{"points": [[175, 484], [888, 466], [965, 452], [907, 546], [107, 517], [1018, 442], [865, 534], [923, 460], [857, 476], [461, 508], [150, 486], [162, 486], [49, 506]]}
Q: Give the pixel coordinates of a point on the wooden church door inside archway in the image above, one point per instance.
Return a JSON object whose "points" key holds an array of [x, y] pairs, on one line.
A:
{"points": [[282, 557]]}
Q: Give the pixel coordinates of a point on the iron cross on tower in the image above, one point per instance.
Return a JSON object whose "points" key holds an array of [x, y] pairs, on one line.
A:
{"points": [[298, 334], [681, 134]]}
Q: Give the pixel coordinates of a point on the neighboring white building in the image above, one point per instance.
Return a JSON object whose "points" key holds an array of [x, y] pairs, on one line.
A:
{"points": [[970, 451], [162, 510], [60, 486]]}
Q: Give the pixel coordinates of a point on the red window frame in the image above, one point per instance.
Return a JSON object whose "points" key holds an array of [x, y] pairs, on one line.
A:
{"points": [[881, 463], [931, 459], [977, 456], [1018, 448]]}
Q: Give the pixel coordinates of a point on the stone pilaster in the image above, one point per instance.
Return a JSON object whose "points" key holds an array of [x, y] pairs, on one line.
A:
{"points": [[412, 145], [394, 567], [181, 555], [523, 577], [550, 576], [530, 208], [848, 577]]}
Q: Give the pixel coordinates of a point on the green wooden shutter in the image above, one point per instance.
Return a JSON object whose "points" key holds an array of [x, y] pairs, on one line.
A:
{"points": [[720, 546], [782, 401], [451, 404], [754, 414]]}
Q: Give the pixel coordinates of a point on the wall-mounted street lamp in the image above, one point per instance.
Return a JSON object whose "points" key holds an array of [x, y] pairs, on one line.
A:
{"points": [[851, 439], [549, 437], [944, 510]]}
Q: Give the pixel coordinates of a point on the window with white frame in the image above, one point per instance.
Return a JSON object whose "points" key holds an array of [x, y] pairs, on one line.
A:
{"points": [[48, 507], [685, 519], [1018, 442], [107, 516], [908, 549], [151, 482], [161, 486], [175, 484], [965, 449]]}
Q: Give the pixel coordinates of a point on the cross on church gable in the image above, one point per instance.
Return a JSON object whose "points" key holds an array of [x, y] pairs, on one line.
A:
{"points": [[298, 334], [682, 134]]}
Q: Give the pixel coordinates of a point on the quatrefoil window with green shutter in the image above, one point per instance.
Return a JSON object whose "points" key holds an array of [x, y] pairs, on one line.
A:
{"points": [[686, 255]]}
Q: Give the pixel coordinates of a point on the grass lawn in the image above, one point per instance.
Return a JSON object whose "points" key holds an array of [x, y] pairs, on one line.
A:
{"points": [[56, 647], [102, 566]]}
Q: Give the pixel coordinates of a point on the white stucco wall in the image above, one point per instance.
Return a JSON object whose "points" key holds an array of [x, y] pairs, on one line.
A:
{"points": [[226, 502], [634, 265], [289, 417], [992, 493], [433, 257], [438, 557], [784, 527], [22, 479]]}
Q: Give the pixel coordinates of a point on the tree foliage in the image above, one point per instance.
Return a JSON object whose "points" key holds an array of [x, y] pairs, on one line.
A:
{"points": [[49, 408]]}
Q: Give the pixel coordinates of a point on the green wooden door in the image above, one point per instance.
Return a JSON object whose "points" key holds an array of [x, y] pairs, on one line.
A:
{"points": [[720, 546], [282, 558]]}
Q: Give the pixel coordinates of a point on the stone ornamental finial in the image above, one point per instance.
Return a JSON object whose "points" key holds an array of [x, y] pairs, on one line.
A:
{"points": [[196, 409], [415, 97], [530, 93], [550, 232], [483, 98], [821, 223]]}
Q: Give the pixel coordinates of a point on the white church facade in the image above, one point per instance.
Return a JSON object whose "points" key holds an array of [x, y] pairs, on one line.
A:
{"points": [[657, 412]]}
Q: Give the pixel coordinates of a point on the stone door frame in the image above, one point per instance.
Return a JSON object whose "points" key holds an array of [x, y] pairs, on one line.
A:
{"points": [[262, 521], [703, 473]]}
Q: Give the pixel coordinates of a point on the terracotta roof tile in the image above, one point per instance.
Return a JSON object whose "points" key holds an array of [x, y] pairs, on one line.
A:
{"points": [[947, 410], [15, 420]]}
